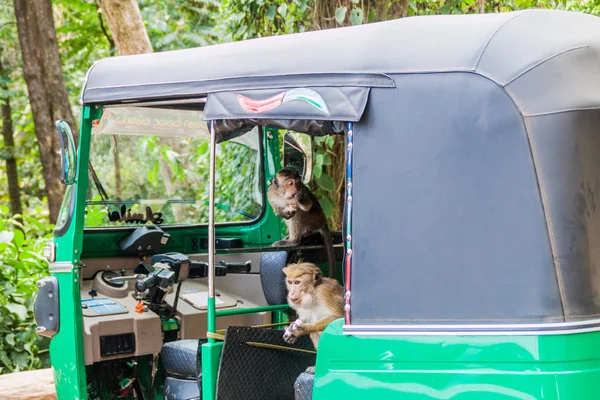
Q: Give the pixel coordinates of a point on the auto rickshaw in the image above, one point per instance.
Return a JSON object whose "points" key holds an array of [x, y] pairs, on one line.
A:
{"points": [[470, 248]]}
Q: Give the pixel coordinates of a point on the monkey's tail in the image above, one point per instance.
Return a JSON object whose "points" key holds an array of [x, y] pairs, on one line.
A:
{"points": [[329, 248]]}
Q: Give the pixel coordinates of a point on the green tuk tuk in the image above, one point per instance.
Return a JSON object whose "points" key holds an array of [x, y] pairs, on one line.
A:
{"points": [[470, 248]]}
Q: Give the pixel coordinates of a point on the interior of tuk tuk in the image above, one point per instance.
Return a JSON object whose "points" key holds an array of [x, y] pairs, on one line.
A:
{"points": [[147, 207]]}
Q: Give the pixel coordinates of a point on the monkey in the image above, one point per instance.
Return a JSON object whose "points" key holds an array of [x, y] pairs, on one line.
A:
{"points": [[317, 300], [300, 210]]}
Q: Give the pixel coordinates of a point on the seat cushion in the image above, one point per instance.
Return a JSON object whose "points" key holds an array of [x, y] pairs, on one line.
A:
{"points": [[181, 389], [180, 358], [303, 386]]}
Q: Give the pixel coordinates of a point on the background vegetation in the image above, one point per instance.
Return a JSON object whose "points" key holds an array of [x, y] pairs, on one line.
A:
{"points": [[79, 31]]}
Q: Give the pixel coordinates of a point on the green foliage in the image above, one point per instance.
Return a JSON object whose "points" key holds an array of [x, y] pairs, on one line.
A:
{"points": [[586, 6], [247, 19], [175, 25], [324, 185], [83, 38], [21, 265]]}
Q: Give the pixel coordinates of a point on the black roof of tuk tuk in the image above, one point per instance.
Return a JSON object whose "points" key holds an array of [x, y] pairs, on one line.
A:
{"points": [[500, 47]]}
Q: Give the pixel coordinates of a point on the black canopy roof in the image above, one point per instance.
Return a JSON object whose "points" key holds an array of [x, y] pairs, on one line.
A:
{"points": [[501, 47]]}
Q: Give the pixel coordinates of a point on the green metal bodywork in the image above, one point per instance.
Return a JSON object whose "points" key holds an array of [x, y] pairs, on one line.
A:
{"points": [[69, 366], [548, 367]]}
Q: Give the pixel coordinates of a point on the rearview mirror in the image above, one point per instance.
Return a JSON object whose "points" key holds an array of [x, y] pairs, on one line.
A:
{"points": [[297, 153], [68, 157]]}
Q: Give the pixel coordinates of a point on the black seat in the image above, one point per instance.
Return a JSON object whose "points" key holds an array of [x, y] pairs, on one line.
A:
{"points": [[181, 389], [303, 386], [181, 359]]}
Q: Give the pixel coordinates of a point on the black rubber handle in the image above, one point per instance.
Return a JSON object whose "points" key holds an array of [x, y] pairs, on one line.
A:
{"points": [[237, 266]]}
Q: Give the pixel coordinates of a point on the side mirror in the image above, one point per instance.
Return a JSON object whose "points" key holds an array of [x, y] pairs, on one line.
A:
{"points": [[68, 156], [297, 153]]}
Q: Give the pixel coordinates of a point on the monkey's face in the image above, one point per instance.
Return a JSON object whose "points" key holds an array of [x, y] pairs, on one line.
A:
{"points": [[287, 186], [301, 284]]}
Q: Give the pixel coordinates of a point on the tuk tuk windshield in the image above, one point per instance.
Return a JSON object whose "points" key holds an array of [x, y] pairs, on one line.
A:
{"points": [[151, 165]]}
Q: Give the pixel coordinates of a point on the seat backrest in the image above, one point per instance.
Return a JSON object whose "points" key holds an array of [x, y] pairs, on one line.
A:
{"points": [[272, 277]]}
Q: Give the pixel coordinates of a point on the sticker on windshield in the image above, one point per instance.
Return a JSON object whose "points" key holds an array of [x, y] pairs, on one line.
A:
{"points": [[307, 95], [125, 215]]}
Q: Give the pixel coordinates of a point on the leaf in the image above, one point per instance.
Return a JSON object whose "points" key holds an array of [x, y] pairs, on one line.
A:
{"points": [[282, 10], [340, 14], [330, 141], [18, 238], [270, 14], [327, 206], [33, 256], [10, 339], [325, 182], [6, 361], [17, 309], [317, 171], [303, 5], [319, 159], [356, 16], [21, 359], [326, 159], [372, 16], [319, 140]]}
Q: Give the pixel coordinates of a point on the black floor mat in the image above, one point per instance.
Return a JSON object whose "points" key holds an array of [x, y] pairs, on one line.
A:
{"points": [[255, 373]]}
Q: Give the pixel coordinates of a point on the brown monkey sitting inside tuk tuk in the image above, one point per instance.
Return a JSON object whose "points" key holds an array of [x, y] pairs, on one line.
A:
{"points": [[301, 211]]}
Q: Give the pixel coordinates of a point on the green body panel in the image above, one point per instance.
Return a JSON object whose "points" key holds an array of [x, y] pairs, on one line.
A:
{"points": [[69, 366], [548, 367], [66, 347], [211, 355]]}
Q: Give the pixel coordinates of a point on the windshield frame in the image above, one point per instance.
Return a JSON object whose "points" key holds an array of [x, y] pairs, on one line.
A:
{"points": [[262, 181]]}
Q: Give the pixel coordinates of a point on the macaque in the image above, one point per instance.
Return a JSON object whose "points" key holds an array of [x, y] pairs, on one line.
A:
{"points": [[301, 211], [318, 301]]}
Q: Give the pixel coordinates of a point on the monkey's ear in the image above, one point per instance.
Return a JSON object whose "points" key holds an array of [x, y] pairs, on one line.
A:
{"points": [[318, 279], [274, 182]]}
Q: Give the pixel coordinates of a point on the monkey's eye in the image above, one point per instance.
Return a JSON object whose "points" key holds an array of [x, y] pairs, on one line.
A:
{"points": [[296, 282], [289, 282], [290, 183]]}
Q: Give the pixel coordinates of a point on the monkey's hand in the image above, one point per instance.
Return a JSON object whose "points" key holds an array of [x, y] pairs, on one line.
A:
{"points": [[289, 211], [293, 331]]}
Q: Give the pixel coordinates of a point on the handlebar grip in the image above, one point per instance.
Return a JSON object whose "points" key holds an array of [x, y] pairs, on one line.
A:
{"points": [[143, 284], [237, 266]]}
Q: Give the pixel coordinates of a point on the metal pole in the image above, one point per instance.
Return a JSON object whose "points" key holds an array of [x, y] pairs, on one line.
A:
{"points": [[211, 323], [348, 255]]}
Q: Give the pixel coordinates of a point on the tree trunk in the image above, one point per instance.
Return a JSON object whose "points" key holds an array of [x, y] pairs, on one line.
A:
{"points": [[46, 87], [12, 174], [126, 25]]}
